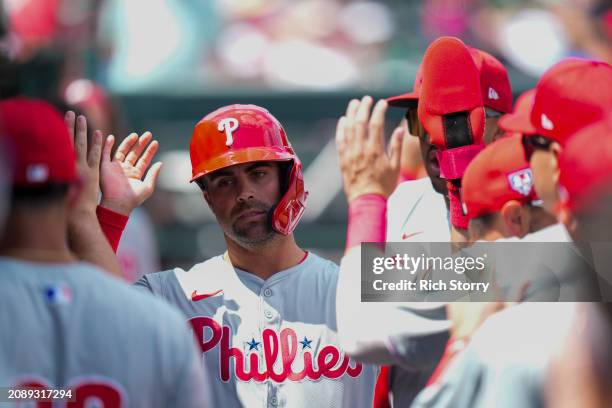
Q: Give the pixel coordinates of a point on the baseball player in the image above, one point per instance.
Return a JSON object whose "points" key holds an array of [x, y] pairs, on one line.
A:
{"points": [[64, 324], [502, 207], [264, 312], [515, 346], [137, 252], [418, 210], [568, 97], [498, 194], [578, 374], [584, 179]]}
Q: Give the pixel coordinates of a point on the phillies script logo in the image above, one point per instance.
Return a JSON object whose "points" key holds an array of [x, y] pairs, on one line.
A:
{"points": [[229, 125], [285, 345]]}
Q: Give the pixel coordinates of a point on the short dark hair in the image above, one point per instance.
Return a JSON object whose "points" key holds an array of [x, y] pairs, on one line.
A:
{"points": [[39, 195], [480, 225]]}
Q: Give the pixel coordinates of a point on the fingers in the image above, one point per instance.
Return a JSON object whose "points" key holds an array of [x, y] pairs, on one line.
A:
{"points": [[108, 148], [151, 178], [351, 109], [138, 148], [80, 138], [395, 148], [70, 119], [340, 135], [376, 127], [125, 147], [147, 158], [349, 123], [362, 117], [93, 158]]}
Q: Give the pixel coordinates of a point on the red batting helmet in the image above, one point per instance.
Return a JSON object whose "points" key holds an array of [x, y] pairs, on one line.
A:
{"points": [[239, 134]]}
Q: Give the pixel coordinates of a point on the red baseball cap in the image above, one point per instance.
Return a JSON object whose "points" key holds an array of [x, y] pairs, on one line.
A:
{"points": [[39, 141], [409, 100], [585, 166], [571, 95], [494, 83], [457, 78], [498, 174], [522, 110]]}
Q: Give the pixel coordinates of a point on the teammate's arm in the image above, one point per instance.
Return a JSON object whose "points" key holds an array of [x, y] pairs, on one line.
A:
{"points": [[122, 186], [369, 174], [86, 238]]}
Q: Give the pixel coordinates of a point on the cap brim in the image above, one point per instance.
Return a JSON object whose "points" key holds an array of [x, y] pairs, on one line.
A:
{"points": [[408, 100], [517, 122], [247, 155]]}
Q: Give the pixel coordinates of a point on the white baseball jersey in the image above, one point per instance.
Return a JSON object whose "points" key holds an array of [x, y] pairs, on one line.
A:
{"points": [[72, 326], [409, 336], [506, 361], [417, 213], [271, 343]]}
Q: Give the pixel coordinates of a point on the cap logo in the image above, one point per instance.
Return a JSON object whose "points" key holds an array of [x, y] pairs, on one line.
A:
{"points": [[546, 123], [493, 94], [228, 125], [37, 173], [521, 181]]}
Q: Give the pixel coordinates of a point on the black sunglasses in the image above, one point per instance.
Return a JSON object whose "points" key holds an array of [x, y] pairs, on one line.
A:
{"points": [[533, 142], [414, 126]]}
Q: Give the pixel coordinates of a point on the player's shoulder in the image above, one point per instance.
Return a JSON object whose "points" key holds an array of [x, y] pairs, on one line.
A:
{"points": [[540, 323], [322, 266], [211, 268], [102, 288]]}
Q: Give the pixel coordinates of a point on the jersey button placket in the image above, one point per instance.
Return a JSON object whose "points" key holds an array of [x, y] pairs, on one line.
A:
{"points": [[272, 396]]}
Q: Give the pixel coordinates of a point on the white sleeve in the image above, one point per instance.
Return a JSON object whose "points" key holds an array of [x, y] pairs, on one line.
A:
{"points": [[384, 332]]}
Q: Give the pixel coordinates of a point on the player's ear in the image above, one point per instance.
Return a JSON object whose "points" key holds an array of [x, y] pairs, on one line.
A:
{"points": [[556, 150], [516, 219]]}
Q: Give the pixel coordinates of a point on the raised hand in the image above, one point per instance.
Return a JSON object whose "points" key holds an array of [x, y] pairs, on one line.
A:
{"points": [[124, 183], [87, 240], [366, 166], [88, 164]]}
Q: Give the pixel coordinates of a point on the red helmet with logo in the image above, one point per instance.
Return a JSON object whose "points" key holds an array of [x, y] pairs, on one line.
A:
{"points": [[239, 134]]}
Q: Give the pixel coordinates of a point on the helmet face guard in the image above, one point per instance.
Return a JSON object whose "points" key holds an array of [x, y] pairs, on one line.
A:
{"points": [[238, 134], [452, 111]]}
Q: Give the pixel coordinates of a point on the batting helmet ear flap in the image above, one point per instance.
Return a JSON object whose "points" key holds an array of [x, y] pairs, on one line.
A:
{"points": [[292, 204]]}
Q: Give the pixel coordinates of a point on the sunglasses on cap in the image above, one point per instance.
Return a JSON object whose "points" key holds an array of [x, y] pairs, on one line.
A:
{"points": [[533, 142], [414, 126]]}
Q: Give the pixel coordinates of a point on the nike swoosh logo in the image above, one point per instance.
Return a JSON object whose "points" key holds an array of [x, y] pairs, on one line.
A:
{"points": [[406, 236], [416, 204], [195, 297]]}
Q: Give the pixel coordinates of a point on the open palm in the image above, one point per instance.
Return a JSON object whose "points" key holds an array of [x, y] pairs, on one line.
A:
{"points": [[124, 179]]}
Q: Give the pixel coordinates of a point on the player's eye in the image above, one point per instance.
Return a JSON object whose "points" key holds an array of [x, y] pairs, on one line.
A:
{"points": [[259, 173], [224, 182]]}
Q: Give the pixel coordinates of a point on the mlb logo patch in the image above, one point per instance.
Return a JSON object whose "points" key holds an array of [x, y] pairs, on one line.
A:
{"points": [[521, 181], [58, 294]]}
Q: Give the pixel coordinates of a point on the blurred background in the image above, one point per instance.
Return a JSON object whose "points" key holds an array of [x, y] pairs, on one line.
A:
{"points": [[161, 65]]}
